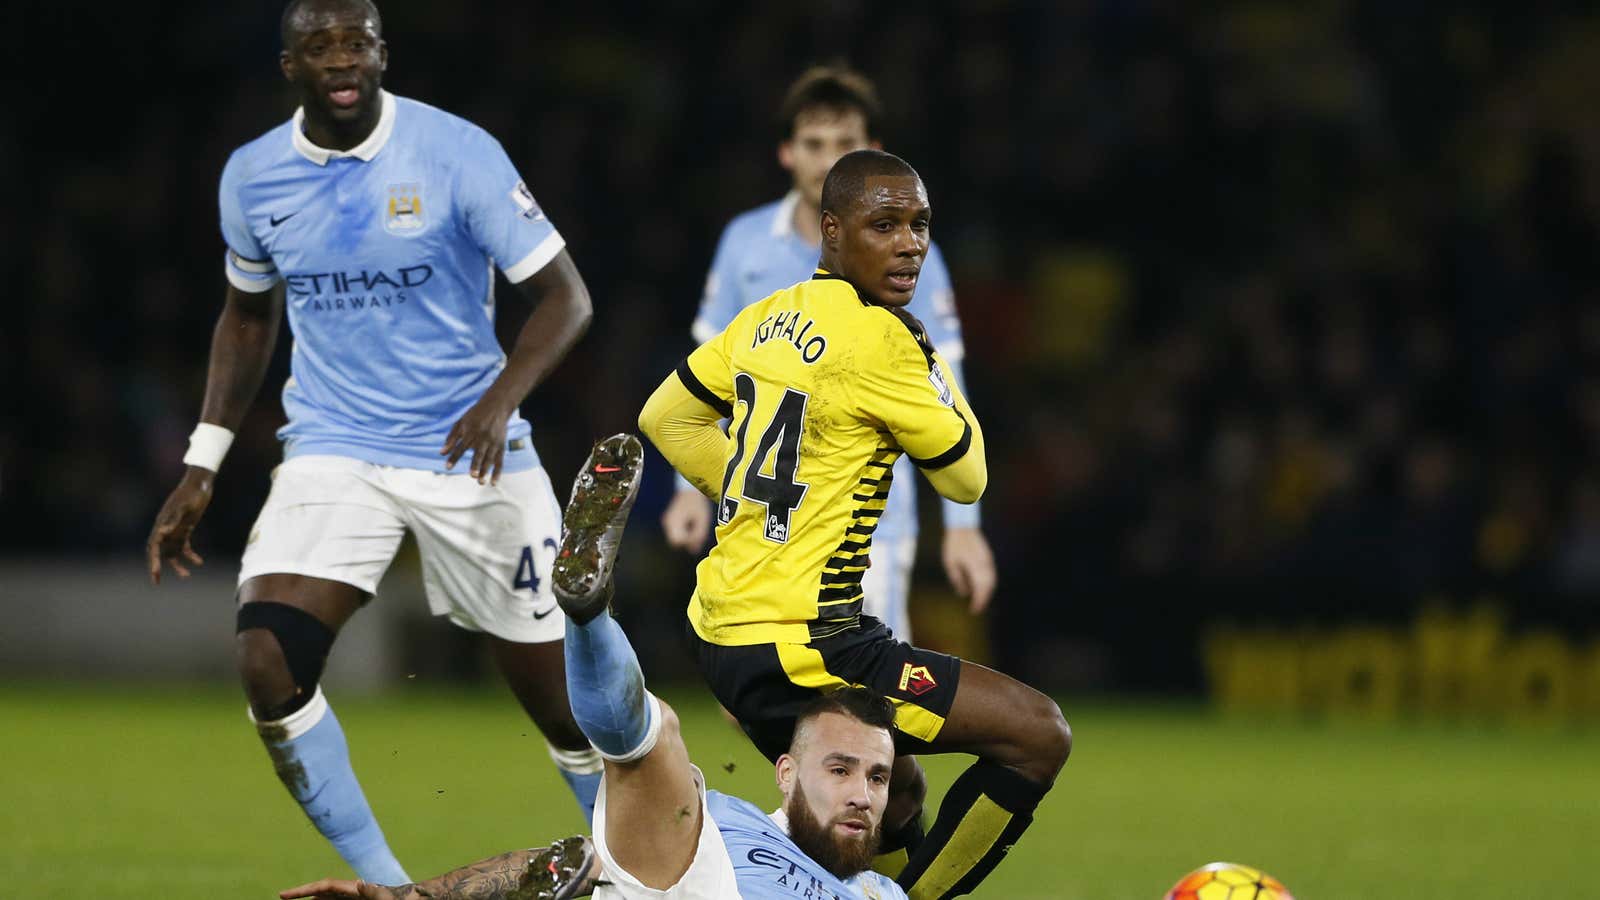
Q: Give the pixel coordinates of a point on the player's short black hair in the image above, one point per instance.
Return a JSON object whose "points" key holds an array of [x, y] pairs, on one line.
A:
{"points": [[865, 706], [835, 87], [294, 6], [843, 186]]}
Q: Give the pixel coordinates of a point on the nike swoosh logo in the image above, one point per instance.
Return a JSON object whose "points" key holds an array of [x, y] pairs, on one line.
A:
{"points": [[540, 615], [606, 469], [277, 221]]}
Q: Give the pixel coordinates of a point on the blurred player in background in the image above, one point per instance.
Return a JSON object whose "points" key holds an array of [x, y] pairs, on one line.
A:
{"points": [[381, 219], [827, 384], [658, 832], [828, 112]]}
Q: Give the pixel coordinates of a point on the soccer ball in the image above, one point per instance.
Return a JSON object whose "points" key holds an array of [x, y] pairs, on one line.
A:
{"points": [[1228, 881]]}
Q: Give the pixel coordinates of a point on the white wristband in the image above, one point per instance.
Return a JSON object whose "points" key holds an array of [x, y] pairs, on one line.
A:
{"points": [[207, 446]]}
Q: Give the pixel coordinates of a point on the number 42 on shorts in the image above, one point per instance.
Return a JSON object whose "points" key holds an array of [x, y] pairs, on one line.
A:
{"points": [[527, 576]]}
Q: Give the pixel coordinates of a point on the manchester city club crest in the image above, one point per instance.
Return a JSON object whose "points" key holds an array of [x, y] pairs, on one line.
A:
{"points": [[403, 213]]}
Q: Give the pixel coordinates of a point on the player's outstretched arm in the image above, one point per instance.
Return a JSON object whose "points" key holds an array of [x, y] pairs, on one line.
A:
{"points": [[241, 348], [336, 888], [561, 314], [566, 868]]}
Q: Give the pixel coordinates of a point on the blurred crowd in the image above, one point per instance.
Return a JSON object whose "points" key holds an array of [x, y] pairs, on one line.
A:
{"points": [[1290, 309]]}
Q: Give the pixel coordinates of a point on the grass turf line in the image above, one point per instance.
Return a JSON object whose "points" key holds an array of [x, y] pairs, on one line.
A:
{"points": [[145, 792]]}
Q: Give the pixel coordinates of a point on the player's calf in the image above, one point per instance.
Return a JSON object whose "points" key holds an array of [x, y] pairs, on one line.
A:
{"points": [[1022, 742], [605, 685], [282, 651]]}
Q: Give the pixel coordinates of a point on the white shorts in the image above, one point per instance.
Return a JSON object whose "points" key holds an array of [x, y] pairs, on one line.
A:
{"points": [[886, 585], [710, 874], [486, 550]]}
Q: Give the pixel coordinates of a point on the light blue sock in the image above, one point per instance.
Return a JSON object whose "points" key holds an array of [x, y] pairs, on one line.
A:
{"points": [[582, 770], [606, 689], [308, 750]]}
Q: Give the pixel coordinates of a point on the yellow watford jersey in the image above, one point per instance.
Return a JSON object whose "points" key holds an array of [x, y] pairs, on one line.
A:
{"points": [[824, 392]]}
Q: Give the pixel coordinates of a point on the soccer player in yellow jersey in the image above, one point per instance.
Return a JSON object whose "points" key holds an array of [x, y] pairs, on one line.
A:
{"points": [[827, 383]]}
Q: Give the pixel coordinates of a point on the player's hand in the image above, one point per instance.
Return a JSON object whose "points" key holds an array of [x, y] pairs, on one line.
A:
{"points": [[687, 521], [169, 537], [329, 888], [483, 432], [969, 565]]}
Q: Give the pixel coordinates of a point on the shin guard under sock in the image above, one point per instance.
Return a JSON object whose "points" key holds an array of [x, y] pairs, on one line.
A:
{"points": [[311, 757], [981, 816]]}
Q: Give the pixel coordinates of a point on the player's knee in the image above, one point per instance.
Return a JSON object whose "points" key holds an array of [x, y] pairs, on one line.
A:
{"points": [[280, 654], [1055, 737], [1043, 749], [262, 670]]}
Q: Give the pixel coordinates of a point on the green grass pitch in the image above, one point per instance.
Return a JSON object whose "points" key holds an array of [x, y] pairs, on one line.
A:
{"points": [[164, 792]]}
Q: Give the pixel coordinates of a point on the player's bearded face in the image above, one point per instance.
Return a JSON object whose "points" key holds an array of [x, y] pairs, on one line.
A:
{"points": [[834, 848]]}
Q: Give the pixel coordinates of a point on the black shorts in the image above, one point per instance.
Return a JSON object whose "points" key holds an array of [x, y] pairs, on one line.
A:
{"points": [[766, 686]]}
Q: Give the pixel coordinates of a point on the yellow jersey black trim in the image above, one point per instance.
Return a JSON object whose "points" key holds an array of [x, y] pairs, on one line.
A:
{"points": [[820, 630], [754, 587], [951, 455], [919, 334], [840, 597], [822, 274], [703, 393]]}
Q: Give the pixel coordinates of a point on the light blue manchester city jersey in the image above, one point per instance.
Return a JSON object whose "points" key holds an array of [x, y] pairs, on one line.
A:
{"points": [[768, 865], [760, 253], [386, 252]]}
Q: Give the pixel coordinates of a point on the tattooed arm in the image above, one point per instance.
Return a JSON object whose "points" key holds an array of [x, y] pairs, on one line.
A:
{"points": [[547, 873], [509, 876]]}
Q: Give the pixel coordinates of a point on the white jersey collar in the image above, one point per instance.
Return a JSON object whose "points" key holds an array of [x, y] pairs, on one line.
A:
{"points": [[363, 151], [781, 819], [783, 222]]}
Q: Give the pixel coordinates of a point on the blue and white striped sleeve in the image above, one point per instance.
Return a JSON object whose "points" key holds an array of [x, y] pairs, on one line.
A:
{"points": [[720, 302], [247, 264]]}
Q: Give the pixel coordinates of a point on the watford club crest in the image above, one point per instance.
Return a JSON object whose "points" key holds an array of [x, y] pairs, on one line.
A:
{"points": [[404, 213], [916, 680]]}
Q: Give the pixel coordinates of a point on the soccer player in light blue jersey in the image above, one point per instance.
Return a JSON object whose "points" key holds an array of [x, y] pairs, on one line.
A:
{"points": [[828, 112], [659, 834], [377, 222]]}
